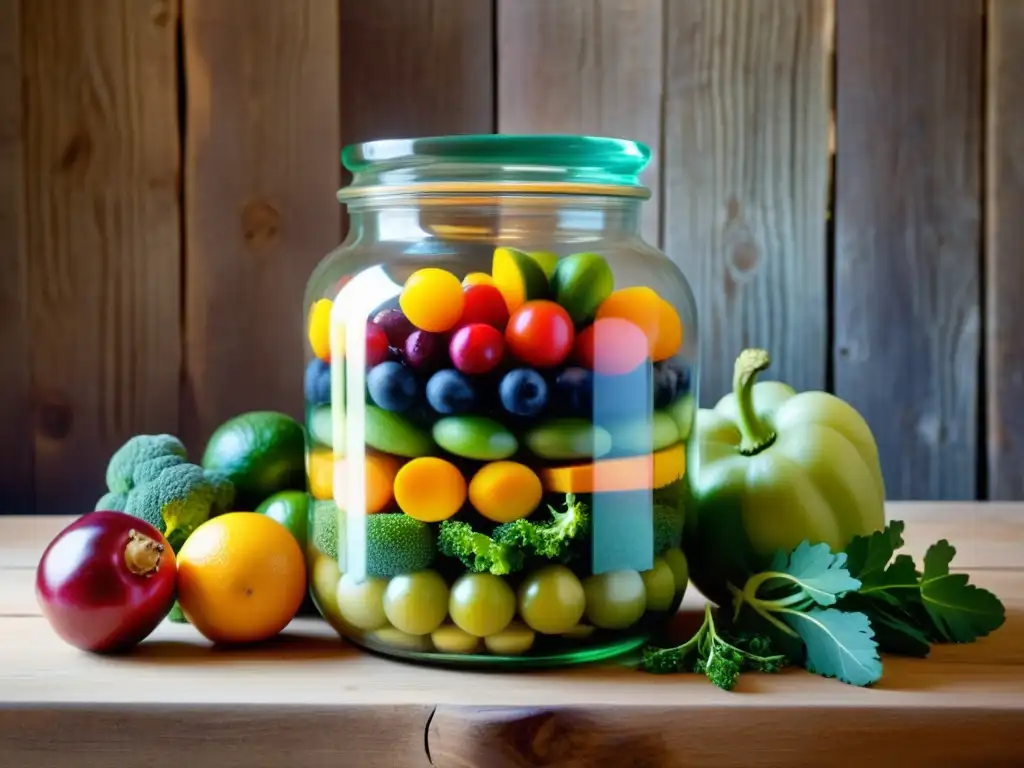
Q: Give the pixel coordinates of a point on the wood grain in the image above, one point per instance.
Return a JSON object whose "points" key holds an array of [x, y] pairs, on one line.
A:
{"points": [[101, 171], [1004, 267], [261, 171], [585, 66], [227, 737], [908, 229], [746, 180], [17, 490]]}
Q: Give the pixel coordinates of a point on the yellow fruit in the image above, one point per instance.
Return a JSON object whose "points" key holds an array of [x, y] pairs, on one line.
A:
{"points": [[320, 468], [380, 471], [504, 491], [241, 578], [324, 577], [432, 299], [320, 329], [430, 489], [478, 278]]}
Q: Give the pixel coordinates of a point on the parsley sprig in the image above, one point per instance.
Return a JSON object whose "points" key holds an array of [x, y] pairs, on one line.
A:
{"points": [[834, 613]]}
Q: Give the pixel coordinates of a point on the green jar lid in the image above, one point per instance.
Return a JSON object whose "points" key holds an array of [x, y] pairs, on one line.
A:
{"points": [[497, 162]]}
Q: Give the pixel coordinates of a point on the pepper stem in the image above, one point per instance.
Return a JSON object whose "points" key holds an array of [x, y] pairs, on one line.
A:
{"points": [[142, 554], [755, 433]]}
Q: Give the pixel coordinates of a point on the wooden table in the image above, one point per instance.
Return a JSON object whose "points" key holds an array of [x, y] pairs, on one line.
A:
{"points": [[308, 700]]}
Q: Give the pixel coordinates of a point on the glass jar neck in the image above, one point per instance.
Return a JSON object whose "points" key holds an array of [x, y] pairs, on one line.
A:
{"points": [[496, 219]]}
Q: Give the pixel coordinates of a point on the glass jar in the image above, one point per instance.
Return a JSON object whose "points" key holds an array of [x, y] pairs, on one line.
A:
{"points": [[500, 390]]}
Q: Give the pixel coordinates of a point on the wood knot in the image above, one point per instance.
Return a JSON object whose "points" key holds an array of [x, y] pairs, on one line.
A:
{"points": [[160, 13], [54, 417], [77, 155], [260, 224]]}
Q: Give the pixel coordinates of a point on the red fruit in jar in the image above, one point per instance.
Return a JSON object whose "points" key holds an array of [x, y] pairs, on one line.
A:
{"points": [[540, 333], [484, 304], [376, 345], [106, 581], [476, 348], [424, 350], [611, 346], [395, 324]]}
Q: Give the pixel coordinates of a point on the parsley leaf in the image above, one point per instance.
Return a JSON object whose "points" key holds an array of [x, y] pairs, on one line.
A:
{"points": [[867, 556], [962, 612], [896, 630], [820, 575], [839, 644]]}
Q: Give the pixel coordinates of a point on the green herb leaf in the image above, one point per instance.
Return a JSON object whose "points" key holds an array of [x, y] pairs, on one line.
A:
{"points": [[819, 573], [867, 556], [962, 612], [896, 630], [839, 644]]}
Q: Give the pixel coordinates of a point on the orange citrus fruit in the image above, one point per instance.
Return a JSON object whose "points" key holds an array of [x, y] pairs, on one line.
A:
{"points": [[241, 578]]}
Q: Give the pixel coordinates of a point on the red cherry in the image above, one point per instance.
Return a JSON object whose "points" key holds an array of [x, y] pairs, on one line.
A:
{"points": [[376, 345], [484, 304], [611, 346], [476, 348], [540, 333]]}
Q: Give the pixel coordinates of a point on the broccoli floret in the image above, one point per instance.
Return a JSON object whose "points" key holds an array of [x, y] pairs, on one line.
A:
{"points": [[397, 543], [223, 492], [552, 540], [121, 468], [668, 527], [113, 502], [175, 502], [477, 551], [325, 528], [150, 469]]}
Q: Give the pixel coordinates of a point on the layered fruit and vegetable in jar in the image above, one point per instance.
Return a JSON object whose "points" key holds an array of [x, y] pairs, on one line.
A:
{"points": [[497, 455]]}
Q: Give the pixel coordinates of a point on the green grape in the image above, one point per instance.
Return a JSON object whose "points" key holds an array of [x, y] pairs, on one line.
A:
{"points": [[416, 603], [680, 568], [399, 640], [515, 639], [361, 602], [481, 603], [616, 599], [448, 638], [551, 600], [660, 586], [323, 581]]}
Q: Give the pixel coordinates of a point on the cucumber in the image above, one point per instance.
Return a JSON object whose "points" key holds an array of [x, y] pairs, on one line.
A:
{"points": [[390, 433], [640, 437], [568, 439], [320, 426], [475, 437]]}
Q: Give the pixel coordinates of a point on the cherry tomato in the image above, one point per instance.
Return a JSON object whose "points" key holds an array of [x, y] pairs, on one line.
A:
{"points": [[376, 345], [476, 348], [611, 346], [540, 333], [484, 304]]}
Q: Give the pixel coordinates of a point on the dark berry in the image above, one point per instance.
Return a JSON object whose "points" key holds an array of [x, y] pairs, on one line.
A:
{"points": [[424, 350], [318, 382], [574, 391], [666, 384], [449, 392], [524, 392], [392, 386], [395, 324]]}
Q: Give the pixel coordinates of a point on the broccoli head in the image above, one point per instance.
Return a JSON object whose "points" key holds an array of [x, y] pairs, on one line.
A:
{"points": [[223, 492], [112, 502], [138, 449], [175, 502], [477, 551], [397, 543], [668, 527], [552, 540], [325, 527], [148, 470]]}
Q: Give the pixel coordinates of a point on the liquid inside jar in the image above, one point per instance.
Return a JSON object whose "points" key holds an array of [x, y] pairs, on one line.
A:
{"points": [[497, 459]]}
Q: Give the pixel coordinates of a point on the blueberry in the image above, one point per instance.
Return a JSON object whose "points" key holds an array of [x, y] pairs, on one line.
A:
{"points": [[318, 382], [392, 386], [449, 392], [523, 392], [666, 384], [574, 391]]}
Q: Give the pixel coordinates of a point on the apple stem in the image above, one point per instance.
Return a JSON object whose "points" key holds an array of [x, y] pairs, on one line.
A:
{"points": [[142, 554]]}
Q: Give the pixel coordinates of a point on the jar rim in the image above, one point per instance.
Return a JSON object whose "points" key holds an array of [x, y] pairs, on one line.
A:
{"points": [[506, 162]]}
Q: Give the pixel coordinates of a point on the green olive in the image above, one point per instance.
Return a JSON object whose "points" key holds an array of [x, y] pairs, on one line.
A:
{"points": [[323, 580], [551, 600], [615, 599], [481, 603], [361, 601], [417, 602], [660, 586], [515, 639]]}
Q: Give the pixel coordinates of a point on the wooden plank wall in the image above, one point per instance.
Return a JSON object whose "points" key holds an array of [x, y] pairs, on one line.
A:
{"points": [[168, 171]]}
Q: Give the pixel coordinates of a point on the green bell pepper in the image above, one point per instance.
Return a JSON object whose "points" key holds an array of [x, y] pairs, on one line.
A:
{"points": [[771, 468]]}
